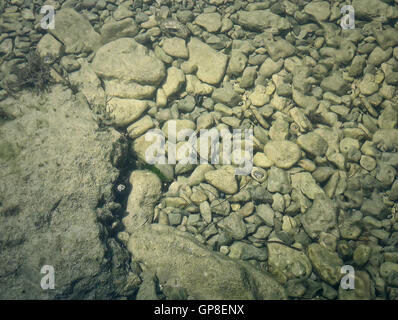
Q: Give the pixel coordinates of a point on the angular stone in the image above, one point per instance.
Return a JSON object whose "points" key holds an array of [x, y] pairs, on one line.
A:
{"points": [[125, 59], [278, 181], [113, 30], [245, 251], [304, 182], [234, 226], [269, 67], [259, 20], [326, 263], [175, 47], [226, 95], [210, 63], [319, 10], [179, 260], [223, 179], [335, 83], [237, 63], [49, 48], [146, 191], [174, 81], [279, 49], [75, 32], [313, 143], [321, 217], [287, 263]]}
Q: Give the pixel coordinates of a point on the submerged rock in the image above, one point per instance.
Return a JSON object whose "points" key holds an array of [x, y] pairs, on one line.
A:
{"points": [[56, 201], [179, 261]]}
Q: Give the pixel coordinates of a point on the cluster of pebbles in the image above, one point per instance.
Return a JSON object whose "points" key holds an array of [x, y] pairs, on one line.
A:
{"points": [[321, 102]]}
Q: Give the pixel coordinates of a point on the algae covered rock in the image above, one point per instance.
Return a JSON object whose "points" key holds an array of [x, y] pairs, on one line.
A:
{"points": [[179, 261], [55, 199]]}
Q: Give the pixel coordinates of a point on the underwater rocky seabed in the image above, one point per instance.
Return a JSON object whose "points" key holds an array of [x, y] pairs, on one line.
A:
{"points": [[321, 101]]}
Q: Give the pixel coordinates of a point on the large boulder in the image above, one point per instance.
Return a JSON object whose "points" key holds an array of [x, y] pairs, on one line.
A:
{"points": [[370, 9], [57, 177], [179, 261]]}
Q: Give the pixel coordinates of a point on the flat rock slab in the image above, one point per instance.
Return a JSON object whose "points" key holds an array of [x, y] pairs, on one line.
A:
{"points": [[75, 32], [179, 261]]}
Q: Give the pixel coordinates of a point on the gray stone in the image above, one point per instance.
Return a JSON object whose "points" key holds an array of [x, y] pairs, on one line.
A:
{"points": [[125, 111], [122, 12], [278, 181], [335, 83], [320, 217], [147, 289], [357, 66], [128, 69], [363, 288], [388, 38], [245, 251], [386, 139], [128, 60], [210, 63], [361, 254], [263, 232], [89, 84], [287, 263], [139, 127], [388, 118], [373, 206], [49, 48], [175, 80], [248, 77], [304, 182], [269, 67], [369, 9], [319, 10], [279, 49], [210, 21], [234, 226], [259, 20], [367, 86], [75, 32], [237, 63], [326, 263], [284, 154], [175, 47], [177, 258], [68, 229], [113, 30], [378, 56], [394, 191], [226, 95], [313, 143], [146, 191], [223, 179], [6, 46]]}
